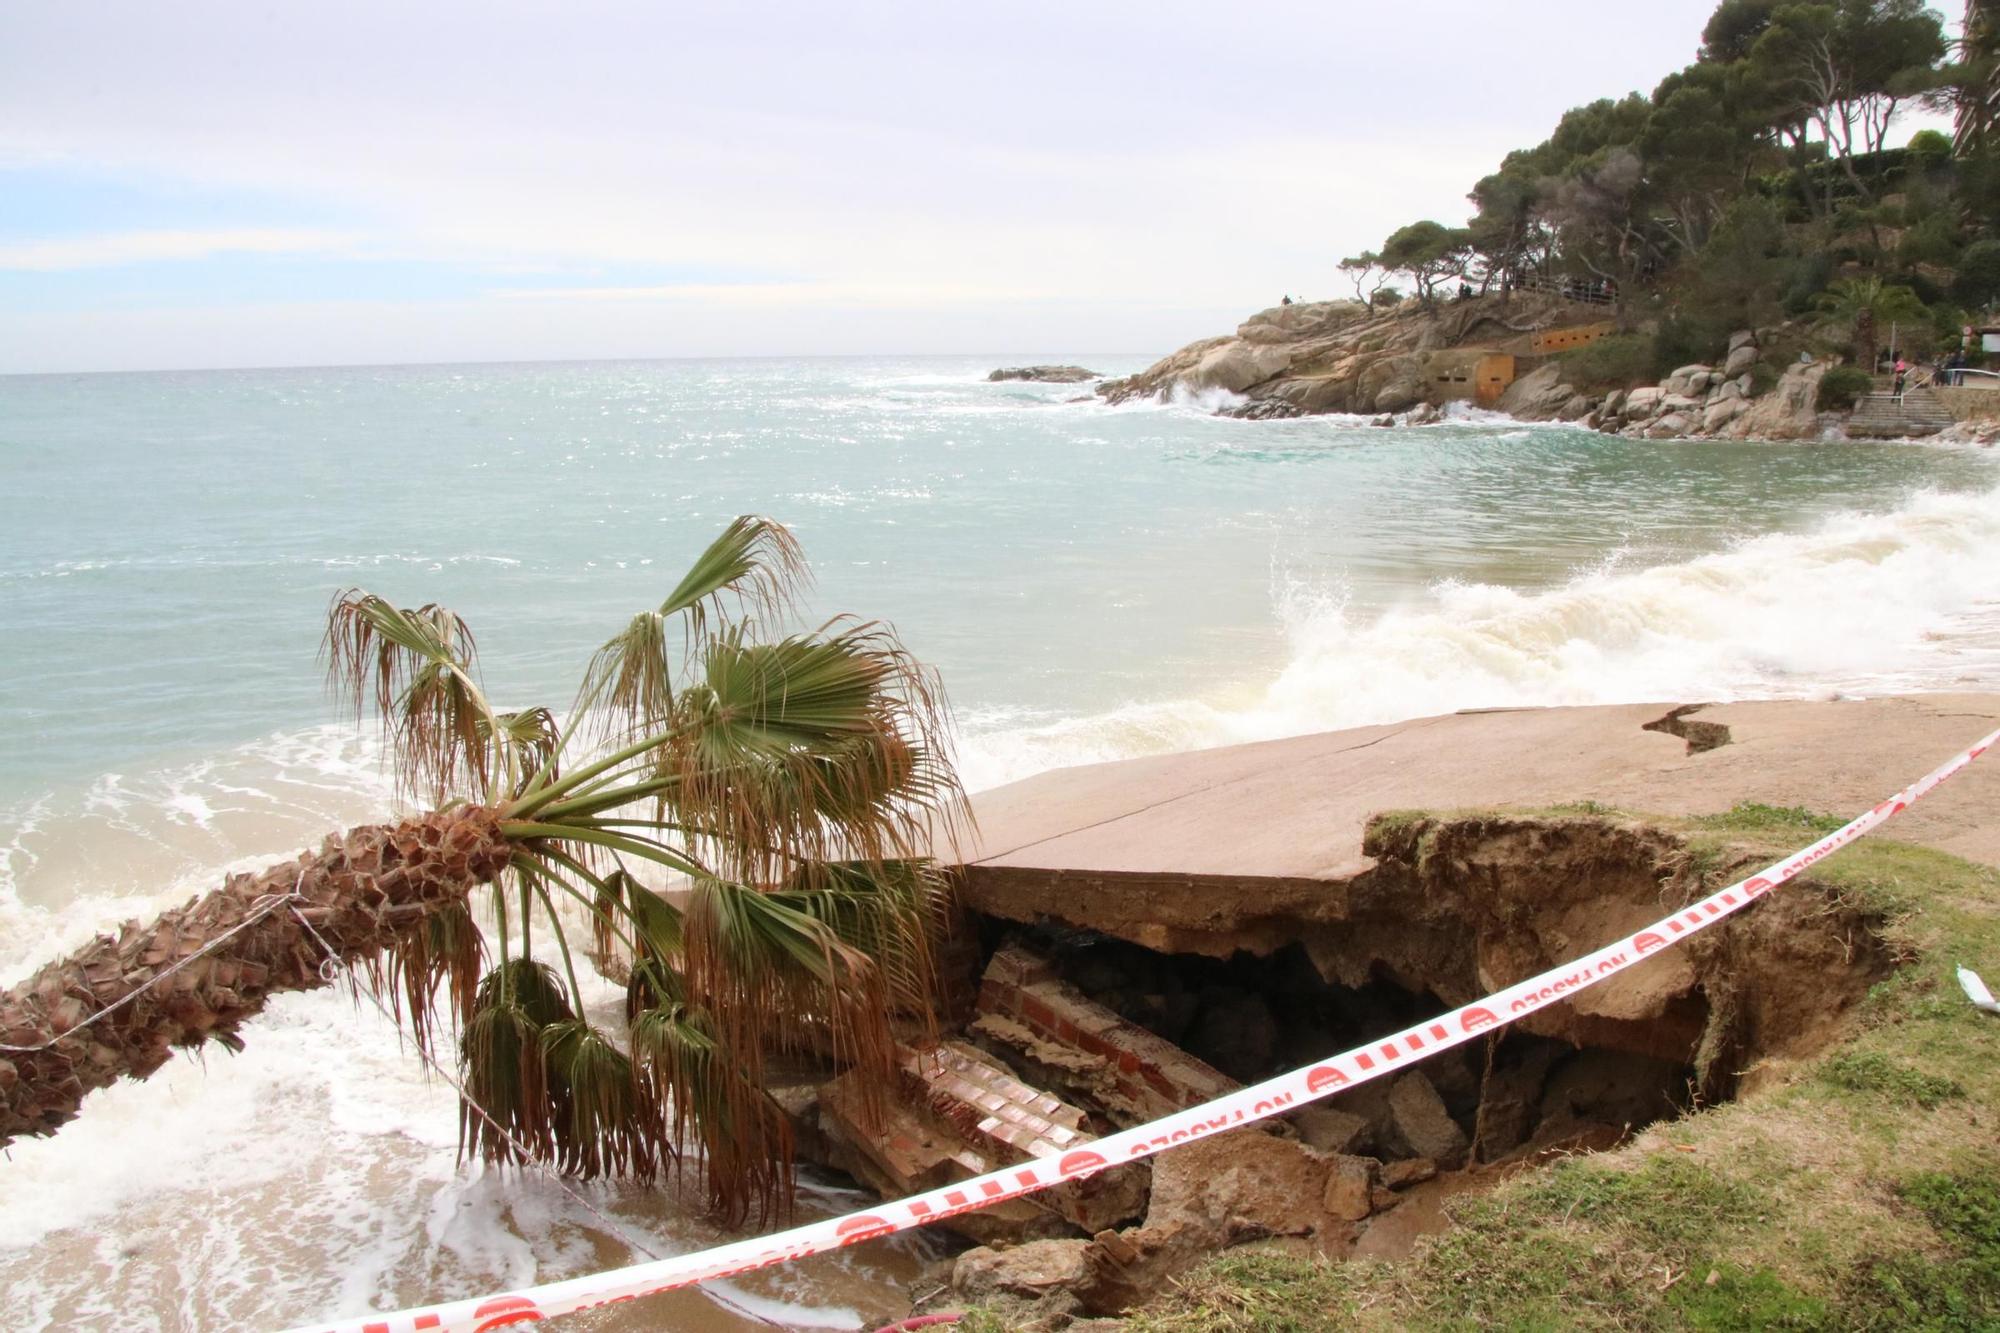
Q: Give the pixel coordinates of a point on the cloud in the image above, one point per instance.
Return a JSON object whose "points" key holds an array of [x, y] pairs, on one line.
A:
{"points": [[781, 162], [111, 250]]}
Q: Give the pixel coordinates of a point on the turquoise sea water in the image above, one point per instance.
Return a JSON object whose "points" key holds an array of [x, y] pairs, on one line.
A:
{"points": [[1092, 582]]}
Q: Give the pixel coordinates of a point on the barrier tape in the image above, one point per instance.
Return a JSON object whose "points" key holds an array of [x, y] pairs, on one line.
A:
{"points": [[1286, 1092]]}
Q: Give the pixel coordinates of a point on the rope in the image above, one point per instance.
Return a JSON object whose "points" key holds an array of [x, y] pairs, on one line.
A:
{"points": [[330, 970], [260, 909]]}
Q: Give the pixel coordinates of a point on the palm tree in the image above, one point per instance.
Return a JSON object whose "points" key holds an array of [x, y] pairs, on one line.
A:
{"points": [[1856, 309], [792, 785]]}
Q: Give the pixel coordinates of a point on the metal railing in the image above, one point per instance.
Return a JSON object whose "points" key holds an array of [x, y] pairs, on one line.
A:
{"points": [[1587, 291]]}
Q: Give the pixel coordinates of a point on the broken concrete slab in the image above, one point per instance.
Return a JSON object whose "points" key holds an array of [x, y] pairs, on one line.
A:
{"points": [[1169, 833]]}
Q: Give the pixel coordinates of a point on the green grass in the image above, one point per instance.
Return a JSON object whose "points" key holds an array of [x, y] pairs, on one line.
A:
{"points": [[1872, 1071], [1756, 817], [1860, 1190]]}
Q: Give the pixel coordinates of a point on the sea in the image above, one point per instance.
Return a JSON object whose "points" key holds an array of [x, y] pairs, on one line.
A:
{"points": [[1092, 583]]}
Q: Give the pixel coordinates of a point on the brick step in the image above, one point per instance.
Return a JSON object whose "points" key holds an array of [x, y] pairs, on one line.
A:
{"points": [[1132, 1074], [994, 1110], [961, 1115], [910, 1150]]}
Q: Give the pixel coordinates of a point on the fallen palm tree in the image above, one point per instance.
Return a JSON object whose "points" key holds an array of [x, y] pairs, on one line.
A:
{"points": [[791, 783]]}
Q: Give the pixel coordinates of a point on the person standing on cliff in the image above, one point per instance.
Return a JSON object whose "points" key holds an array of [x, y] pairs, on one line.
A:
{"points": [[1902, 374]]}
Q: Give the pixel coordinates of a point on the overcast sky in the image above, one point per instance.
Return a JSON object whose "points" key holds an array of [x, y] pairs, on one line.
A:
{"points": [[239, 184]]}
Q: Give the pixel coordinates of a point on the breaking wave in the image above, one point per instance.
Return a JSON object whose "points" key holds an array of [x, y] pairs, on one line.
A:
{"points": [[1904, 600]]}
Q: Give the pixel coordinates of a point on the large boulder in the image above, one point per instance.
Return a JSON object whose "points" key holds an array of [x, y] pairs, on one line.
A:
{"points": [[1539, 395], [1025, 1272], [1689, 381], [1236, 365], [1319, 393], [1576, 409], [1740, 360], [1788, 412], [1721, 411], [1392, 384], [1645, 403], [1301, 319]]}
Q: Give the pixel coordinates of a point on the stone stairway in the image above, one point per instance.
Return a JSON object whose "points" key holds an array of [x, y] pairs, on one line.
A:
{"points": [[1888, 416]]}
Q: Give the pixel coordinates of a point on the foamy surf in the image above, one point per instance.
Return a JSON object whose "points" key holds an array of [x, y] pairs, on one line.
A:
{"points": [[1862, 603]]}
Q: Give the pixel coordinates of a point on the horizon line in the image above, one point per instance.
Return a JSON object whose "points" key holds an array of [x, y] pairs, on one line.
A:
{"points": [[539, 361]]}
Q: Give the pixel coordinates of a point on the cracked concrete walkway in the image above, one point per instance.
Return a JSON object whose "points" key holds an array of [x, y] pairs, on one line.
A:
{"points": [[1293, 810]]}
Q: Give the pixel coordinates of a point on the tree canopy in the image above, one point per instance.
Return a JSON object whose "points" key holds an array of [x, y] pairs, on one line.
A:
{"points": [[1749, 181]]}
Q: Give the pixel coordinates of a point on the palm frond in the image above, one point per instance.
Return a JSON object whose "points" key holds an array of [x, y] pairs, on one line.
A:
{"points": [[523, 743], [755, 563], [417, 666], [720, 1107], [606, 1120], [503, 1066], [630, 679], [655, 984], [814, 747], [755, 560], [775, 978], [898, 913], [445, 949]]}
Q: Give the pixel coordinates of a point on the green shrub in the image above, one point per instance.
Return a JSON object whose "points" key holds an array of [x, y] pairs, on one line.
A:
{"points": [[1684, 340], [1619, 361], [1842, 386], [1978, 274], [1931, 148]]}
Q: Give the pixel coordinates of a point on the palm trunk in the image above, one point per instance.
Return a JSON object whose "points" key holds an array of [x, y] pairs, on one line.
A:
{"points": [[360, 891]]}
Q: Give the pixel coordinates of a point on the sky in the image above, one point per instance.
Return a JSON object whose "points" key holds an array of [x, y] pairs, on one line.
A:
{"points": [[201, 184]]}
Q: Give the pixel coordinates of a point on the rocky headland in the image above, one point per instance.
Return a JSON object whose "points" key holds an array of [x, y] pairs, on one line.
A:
{"points": [[1044, 374], [1512, 354]]}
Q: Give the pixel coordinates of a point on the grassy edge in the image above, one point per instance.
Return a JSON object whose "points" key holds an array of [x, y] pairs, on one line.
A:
{"points": [[1862, 1192]]}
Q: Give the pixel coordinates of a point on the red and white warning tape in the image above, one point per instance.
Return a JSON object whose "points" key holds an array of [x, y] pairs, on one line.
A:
{"points": [[1284, 1093]]}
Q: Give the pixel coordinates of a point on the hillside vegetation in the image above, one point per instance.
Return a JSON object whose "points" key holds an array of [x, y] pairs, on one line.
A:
{"points": [[1752, 187]]}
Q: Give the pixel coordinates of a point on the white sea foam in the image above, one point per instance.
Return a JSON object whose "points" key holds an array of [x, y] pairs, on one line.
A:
{"points": [[1862, 602]]}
